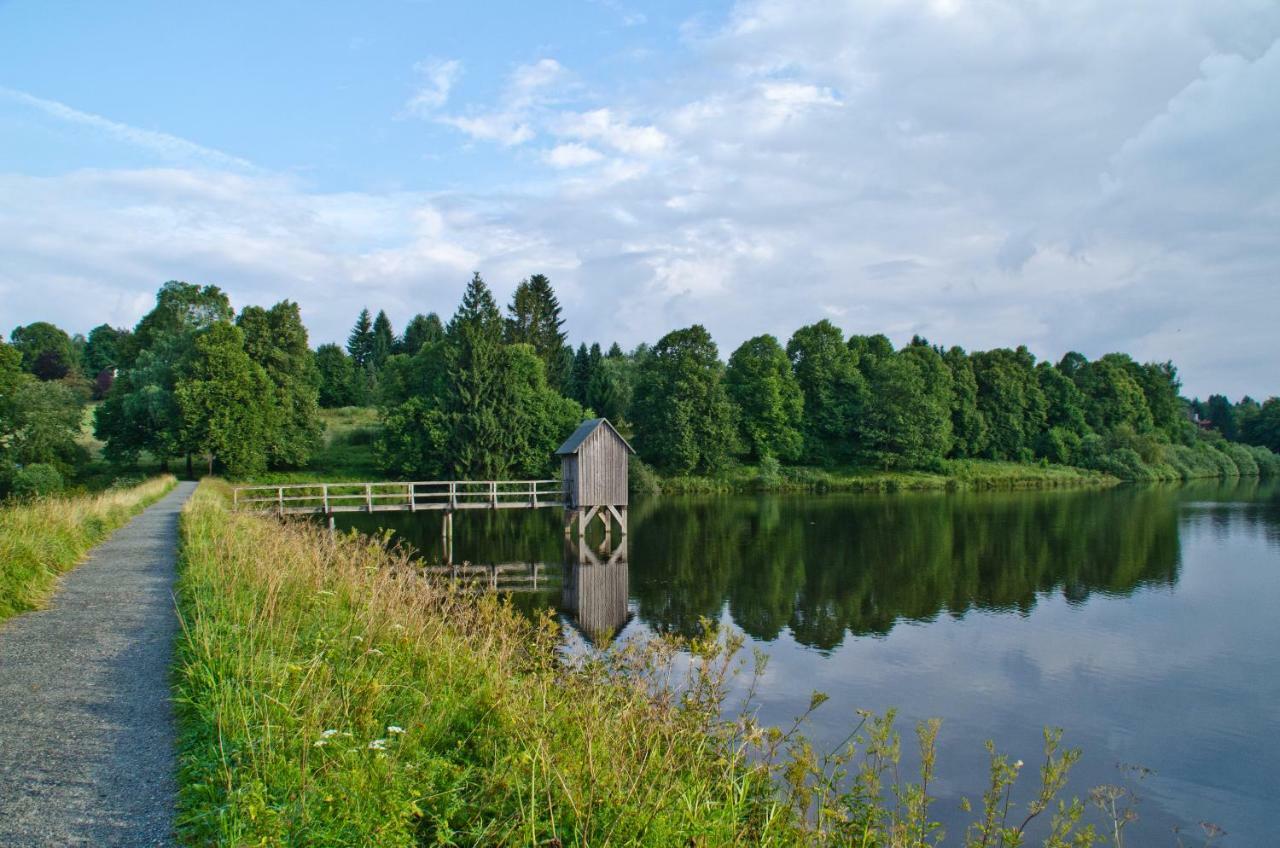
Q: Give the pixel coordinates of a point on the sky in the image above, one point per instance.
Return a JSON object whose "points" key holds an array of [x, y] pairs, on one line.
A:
{"points": [[1065, 174]]}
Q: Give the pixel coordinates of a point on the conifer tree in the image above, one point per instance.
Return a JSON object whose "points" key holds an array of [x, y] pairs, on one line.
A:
{"points": [[384, 340], [533, 318], [474, 374], [360, 342]]}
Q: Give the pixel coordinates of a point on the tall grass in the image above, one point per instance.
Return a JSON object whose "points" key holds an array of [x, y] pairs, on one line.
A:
{"points": [[41, 539], [330, 695]]}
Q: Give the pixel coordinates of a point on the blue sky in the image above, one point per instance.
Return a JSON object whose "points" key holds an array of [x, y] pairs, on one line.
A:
{"points": [[1070, 176]]}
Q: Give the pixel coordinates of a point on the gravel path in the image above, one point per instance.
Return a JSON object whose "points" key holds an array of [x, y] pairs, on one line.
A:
{"points": [[86, 724]]}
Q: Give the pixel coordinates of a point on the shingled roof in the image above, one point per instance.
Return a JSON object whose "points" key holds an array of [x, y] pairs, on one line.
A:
{"points": [[586, 428]]}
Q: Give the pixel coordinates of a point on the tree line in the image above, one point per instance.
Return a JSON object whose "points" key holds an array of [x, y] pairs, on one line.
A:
{"points": [[489, 395]]}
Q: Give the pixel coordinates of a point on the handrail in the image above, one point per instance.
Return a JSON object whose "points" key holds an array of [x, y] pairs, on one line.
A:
{"points": [[391, 495]]}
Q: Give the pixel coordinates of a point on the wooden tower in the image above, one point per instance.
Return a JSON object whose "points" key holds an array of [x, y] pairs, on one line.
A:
{"points": [[593, 470]]}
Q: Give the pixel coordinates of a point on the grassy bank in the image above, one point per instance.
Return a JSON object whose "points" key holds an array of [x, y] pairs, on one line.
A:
{"points": [[953, 475], [346, 450], [329, 696], [42, 539]]}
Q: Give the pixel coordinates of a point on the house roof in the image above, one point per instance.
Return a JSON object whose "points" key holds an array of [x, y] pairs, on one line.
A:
{"points": [[586, 428]]}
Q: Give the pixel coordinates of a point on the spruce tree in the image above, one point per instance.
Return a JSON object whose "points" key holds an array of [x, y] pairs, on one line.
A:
{"points": [[384, 340], [421, 329], [360, 342], [533, 318], [474, 396]]}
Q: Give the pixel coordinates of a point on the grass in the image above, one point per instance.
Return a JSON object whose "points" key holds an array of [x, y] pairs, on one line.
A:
{"points": [[44, 538], [329, 695], [952, 475]]}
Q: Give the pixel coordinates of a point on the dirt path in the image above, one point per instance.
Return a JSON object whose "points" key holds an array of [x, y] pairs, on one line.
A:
{"points": [[86, 724]]}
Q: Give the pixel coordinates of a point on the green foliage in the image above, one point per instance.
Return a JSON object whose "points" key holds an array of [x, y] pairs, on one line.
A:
{"points": [[181, 309], [770, 404], [968, 426], [41, 426], [1115, 398], [834, 390], [684, 419], [1010, 400], [473, 357], [104, 348], [906, 422], [335, 376], [1263, 427], [612, 388], [421, 329], [533, 318], [47, 351], [36, 480], [414, 440], [360, 342], [642, 480], [384, 340], [276, 340], [225, 401]]}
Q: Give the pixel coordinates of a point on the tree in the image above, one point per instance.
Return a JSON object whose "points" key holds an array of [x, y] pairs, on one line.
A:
{"points": [[335, 376], [580, 375], [276, 339], [906, 422], [826, 369], [39, 421], [476, 430], [421, 329], [770, 404], [1113, 398], [140, 412], [1221, 414], [1064, 416], [104, 348], [1010, 399], [226, 402], [684, 419], [1264, 427], [384, 340], [533, 318], [181, 309], [1161, 388], [46, 350], [360, 342], [968, 426]]}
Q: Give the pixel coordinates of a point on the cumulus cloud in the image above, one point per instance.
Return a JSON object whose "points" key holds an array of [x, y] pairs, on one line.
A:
{"points": [[1087, 176]]}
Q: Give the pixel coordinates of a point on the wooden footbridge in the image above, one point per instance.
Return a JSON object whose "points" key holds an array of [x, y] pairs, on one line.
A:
{"points": [[593, 484]]}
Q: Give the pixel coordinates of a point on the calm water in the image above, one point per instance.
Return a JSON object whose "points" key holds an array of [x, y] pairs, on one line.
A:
{"points": [[1145, 621]]}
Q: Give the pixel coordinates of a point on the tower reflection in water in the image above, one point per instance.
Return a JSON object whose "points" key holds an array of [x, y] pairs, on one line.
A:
{"points": [[593, 582]]}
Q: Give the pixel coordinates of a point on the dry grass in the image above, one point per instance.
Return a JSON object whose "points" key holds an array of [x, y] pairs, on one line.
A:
{"points": [[42, 539]]}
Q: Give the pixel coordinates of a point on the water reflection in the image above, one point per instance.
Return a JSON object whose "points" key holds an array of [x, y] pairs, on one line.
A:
{"points": [[830, 566]]}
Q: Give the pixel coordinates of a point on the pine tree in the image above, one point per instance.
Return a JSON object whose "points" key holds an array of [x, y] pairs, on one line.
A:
{"points": [[533, 318], [580, 375], [421, 329], [384, 340], [474, 353], [360, 342]]}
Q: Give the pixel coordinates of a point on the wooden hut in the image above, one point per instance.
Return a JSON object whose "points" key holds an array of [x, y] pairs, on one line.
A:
{"points": [[593, 471]]}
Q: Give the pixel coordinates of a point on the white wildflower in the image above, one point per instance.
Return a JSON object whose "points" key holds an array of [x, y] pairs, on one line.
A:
{"points": [[395, 730], [320, 743], [1018, 764], [374, 651], [328, 734], [378, 745]]}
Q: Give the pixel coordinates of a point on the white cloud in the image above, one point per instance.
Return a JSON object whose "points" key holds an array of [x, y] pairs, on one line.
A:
{"points": [[512, 122], [438, 78], [602, 125], [170, 147], [572, 156]]}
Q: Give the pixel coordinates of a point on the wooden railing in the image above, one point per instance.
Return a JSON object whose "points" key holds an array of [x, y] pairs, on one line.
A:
{"points": [[450, 495]]}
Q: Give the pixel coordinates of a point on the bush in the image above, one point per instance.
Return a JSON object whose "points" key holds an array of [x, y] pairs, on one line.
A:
{"points": [[770, 473], [36, 481], [642, 479], [1245, 464], [1268, 462]]}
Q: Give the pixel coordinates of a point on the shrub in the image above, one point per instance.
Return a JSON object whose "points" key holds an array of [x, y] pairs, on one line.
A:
{"points": [[1268, 462], [642, 479], [1245, 464], [36, 481]]}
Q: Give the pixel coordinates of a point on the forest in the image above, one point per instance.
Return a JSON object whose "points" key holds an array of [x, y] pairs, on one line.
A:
{"points": [[490, 395]]}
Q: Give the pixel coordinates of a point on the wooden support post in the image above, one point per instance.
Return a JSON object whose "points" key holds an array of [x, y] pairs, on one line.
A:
{"points": [[368, 497], [280, 499], [333, 526], [413, 502], [493, 494]]}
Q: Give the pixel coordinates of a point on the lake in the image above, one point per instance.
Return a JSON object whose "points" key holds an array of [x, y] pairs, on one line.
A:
{"points": [[1143, 620]]}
